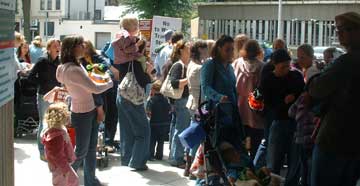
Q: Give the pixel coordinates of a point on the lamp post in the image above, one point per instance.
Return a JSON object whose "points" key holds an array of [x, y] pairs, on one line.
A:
{"points": [[280, 23]]}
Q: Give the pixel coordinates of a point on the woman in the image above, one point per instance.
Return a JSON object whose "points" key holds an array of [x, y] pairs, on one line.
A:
{"points": [[83, 111], [280, 89], [199, 52], [247, 72], [134, 125], [23, 54], [177, 75], [218, 84], [36, 49], [43, 74]]}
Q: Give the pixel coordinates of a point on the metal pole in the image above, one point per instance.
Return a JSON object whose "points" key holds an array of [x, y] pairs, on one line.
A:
{"points": [[280, 23]]}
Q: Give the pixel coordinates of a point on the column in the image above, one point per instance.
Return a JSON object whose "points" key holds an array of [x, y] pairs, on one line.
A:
{"points": [[216, 30], [7, 144], [261, 34], [242, 26], [321, 30], [237, 27], [288, 33], [254, 36], [302, 32], [266, 30], [232, 28], [248, 27], [309, 31]]}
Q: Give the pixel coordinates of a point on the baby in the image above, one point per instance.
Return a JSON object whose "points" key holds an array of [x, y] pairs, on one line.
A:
{"points": [[58, 149], [129, 47]]}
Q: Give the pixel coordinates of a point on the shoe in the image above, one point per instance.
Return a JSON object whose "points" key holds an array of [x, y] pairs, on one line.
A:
{"points": [[142, 169], [109, 149]]}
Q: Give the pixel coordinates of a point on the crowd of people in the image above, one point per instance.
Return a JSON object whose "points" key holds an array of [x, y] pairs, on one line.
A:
{"points": [[308, 121]]}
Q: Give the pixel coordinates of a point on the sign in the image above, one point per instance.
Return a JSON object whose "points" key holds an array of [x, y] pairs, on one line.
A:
{"points": [[145, 30], [159, 26], [7, 61]]}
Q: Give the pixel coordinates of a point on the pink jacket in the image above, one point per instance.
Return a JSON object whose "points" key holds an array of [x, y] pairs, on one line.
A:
{"points": [[58, 149], [80, 87], [247, 76], [125, 49]]}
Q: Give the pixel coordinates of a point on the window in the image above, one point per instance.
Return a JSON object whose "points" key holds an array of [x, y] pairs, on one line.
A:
{"points": [[42, 4], [49, 4], [50, 28], [58, 4]]}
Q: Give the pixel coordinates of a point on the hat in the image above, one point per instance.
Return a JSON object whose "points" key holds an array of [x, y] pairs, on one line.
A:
{"points": [[280, 56], [168, 34], [349, 18]]}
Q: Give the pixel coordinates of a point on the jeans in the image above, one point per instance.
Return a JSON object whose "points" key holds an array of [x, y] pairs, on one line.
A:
{"points": [[182, 122], [158, 135], [280, 141], [42, 106], [172, 127], [260, 157], [111, 118], [331, 170], [300, 166], [86, 129], [135, 129]]}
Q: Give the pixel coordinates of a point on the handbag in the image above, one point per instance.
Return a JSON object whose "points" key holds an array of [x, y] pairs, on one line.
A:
{"points": [[167, 90], [192, 135], [130, 89]]}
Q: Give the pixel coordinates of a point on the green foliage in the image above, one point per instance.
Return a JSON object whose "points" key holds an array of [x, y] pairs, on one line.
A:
{"points": [[170, 8]]}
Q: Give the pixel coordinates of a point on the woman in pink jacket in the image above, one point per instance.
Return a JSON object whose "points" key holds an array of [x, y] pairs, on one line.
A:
{"points": [[83, 111], [58, 149]]}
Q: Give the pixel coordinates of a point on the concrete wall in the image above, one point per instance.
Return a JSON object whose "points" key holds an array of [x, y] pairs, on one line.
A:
{"points": [[86, 28], [7, 144]]}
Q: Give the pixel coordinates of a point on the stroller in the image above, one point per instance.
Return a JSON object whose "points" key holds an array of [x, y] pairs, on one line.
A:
{"points": [[220, 126], [25, 107]]}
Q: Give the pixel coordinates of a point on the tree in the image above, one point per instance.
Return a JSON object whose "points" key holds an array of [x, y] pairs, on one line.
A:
{"points": [[170, 8], [26, 14]]}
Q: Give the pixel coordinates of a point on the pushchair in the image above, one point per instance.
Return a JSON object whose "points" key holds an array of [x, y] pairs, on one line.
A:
{"points": [[220, 124], [25, 107]]}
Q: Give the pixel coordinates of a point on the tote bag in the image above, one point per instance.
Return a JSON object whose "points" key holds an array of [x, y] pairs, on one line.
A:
{"points": [[167, 90], [130, 89]]}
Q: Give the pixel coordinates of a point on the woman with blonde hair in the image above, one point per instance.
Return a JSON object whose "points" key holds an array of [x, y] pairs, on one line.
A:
{"points": [[83, 110], [43, 76]]}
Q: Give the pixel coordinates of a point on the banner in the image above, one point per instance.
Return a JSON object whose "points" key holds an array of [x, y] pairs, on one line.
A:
{"points": [[159, 26]]}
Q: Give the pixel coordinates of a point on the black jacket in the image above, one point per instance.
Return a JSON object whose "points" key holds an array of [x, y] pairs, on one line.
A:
{"points": [[43, 74]]}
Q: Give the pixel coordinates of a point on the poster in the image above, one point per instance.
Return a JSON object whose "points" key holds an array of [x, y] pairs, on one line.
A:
{"points": [[145, 30], [7, 61], [159, 26]]}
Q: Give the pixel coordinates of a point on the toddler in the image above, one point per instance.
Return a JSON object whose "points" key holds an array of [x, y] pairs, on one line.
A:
{"points": [[58, 149], [127, 46], [158, 110]]}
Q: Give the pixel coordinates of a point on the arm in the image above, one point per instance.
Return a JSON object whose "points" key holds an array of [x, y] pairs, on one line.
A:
{"points": [[176, 75], [142, 77], [207, 80], [79, 78], [33, 75]]}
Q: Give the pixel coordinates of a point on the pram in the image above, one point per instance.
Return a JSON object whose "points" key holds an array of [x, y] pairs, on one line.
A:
{"points": [[220, 125], [25, 107]]}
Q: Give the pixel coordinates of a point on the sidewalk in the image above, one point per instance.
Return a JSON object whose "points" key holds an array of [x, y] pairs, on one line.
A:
{"points": [[31, 171]]}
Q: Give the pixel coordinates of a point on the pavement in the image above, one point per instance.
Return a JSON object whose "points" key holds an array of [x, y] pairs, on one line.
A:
{"points": [[31, 171]]}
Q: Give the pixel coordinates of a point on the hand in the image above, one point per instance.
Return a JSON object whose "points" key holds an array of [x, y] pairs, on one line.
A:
{"points": [[289, 99], [224, 99]]}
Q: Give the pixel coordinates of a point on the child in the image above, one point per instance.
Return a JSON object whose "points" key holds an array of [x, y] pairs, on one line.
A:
{"points": [[126, 48], [158, 109], [58, 149], [241, 171]]}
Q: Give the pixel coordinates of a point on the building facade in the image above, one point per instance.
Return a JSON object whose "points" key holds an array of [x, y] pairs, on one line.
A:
{"points": [[303, 21]]}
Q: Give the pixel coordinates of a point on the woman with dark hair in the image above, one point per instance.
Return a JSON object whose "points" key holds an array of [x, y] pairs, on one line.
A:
{"points": [[247, 72], [218, 84], [177, 75], [23, 53], [83, 111], [43, 75], [280, 89]]}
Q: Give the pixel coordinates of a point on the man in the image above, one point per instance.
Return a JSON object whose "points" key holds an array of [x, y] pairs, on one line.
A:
{"points": [[336, 156], [165, 53], [305, 55]]}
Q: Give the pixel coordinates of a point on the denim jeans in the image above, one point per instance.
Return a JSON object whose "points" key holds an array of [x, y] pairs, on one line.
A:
{"points": [[135, 129], [182, 122], [86, 129], [42, 106], [172, 127], [111, 118], [331, 170], [280, 141]]}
